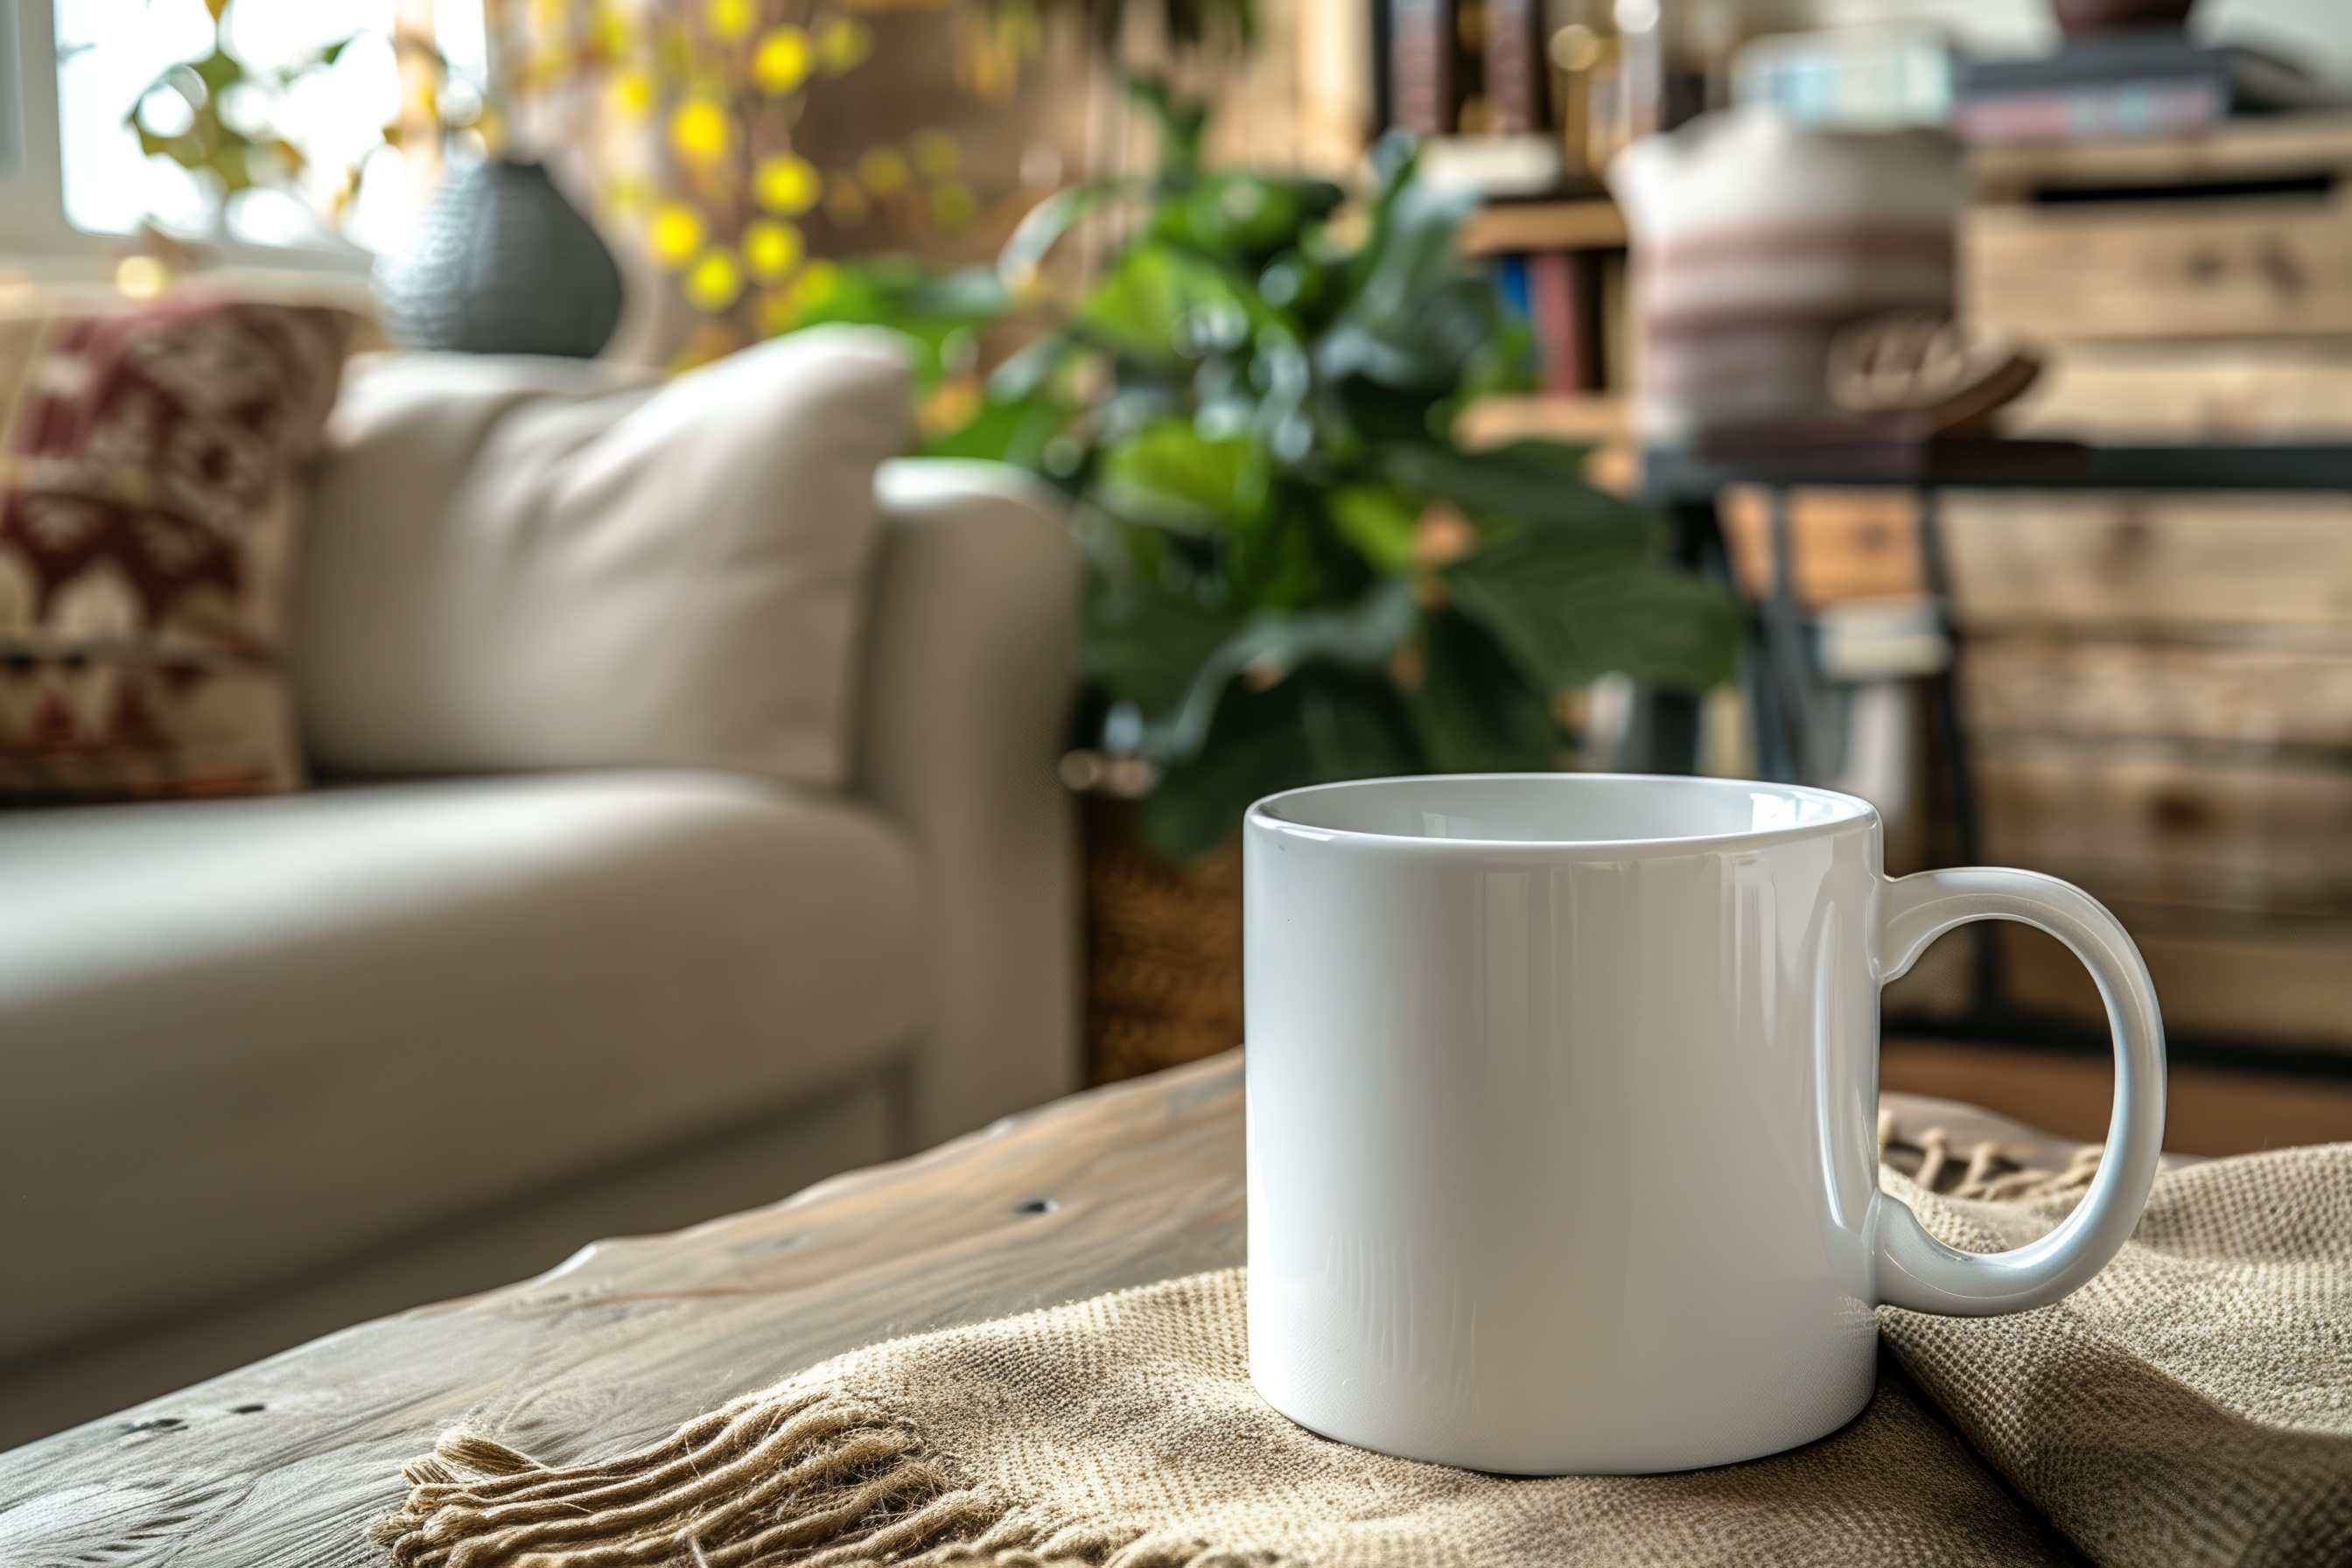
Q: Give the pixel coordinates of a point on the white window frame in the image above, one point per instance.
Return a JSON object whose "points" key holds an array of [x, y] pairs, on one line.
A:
{"points": [[35, 240]]}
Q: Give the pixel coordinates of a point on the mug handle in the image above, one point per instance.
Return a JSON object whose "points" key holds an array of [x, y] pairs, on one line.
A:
{"points": [[1919, 1271]]}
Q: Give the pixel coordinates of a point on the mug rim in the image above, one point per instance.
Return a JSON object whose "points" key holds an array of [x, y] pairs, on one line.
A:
{"points": [[1855, 813]]}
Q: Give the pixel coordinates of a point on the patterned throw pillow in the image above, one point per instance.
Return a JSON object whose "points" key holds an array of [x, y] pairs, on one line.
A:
{"points": [[145, 530]]}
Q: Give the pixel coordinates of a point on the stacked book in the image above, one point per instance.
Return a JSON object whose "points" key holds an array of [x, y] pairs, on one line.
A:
{"points": [[2120, 86]]}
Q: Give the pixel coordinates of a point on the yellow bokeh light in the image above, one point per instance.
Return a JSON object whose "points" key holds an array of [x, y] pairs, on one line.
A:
{"points": [[701, 131], [843, 44], [784, 184], [674, 235], [770, 248], [714, 282], [935, 154], [730, 20], [883, 170], [633, 90], [782, 61]]}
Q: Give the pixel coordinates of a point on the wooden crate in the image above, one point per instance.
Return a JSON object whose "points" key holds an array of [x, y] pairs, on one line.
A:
{"points": [[2172, 393], [1843, 543], [2276, 983], [2162, 261], [2226, 694], [2158, 823], [2122, 562]]}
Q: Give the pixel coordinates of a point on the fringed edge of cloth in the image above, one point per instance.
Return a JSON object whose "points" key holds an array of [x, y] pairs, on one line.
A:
{"points": [[812, 1478], [1985, 1171]]}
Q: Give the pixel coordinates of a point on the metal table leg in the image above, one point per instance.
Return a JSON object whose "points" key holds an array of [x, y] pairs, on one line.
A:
{"points": [[1967, 823], [1784, 646]]}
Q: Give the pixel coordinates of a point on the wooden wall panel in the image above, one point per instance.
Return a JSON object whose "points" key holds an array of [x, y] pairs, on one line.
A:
{"points": [[2145, 822], [2278, 265], [2120, 561], [2194, 255], [2275, 982], [2152, 394], [2225, 694]]}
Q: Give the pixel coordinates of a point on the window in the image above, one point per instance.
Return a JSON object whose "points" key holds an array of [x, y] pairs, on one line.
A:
{"points": [[115, 56]]}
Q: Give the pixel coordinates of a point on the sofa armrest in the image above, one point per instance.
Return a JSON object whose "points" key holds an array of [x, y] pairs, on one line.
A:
{"points": [[973, 627]]}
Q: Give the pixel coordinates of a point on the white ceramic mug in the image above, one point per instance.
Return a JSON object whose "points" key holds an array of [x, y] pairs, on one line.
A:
{"points": [[1562, 1110]]}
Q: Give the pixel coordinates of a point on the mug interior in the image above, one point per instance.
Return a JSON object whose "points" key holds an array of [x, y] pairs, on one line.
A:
{"points": [[1559, 808]]}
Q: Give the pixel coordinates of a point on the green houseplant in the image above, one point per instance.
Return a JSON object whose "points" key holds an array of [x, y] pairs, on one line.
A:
{"points": [[1295, 574]]}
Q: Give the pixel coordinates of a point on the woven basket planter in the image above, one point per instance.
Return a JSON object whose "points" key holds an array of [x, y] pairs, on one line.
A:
{"points": [[1164, 949]]}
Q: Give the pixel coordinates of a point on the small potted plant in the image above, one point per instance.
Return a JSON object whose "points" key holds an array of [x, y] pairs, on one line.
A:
{"points": [[1295, 573]]}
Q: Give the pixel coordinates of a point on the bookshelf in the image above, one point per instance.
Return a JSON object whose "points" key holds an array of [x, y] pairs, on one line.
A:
{"points": [[1501, 228]]}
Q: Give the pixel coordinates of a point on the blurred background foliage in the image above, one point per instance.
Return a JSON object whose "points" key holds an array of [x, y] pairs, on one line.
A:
{"points": [[1295, 574], [736, 140]]}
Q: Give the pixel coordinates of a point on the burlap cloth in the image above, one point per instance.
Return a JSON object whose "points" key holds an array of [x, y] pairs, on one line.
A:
{"points": [[2193, 1403]]}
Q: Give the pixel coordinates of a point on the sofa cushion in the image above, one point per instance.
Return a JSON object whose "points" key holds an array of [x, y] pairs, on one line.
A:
{"points": [[245, 1039], [520, 563], [145, 528]]}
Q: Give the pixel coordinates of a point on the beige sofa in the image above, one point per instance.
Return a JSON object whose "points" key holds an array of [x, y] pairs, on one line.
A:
{"points": [[275, 1065]]}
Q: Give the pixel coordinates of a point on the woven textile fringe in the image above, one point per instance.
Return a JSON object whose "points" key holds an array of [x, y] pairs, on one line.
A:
{"points": [[2192, 1404], [1984, 1171], [817, 1479]]}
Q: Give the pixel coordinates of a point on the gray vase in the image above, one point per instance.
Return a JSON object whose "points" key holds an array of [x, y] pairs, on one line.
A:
{"points": [[501, 263]]}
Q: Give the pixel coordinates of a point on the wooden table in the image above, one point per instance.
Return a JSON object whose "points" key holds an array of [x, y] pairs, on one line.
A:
{"points": [[287, 1461]]}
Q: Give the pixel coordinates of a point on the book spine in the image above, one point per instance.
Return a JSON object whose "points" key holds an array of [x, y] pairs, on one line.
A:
{"points": [[1421, 66], [1514, 67], [1511, 279], [1552, 306], [2104, 112]]}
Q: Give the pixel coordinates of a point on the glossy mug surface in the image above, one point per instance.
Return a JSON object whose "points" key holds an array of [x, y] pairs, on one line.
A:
{"points": [[1562, 1114]]}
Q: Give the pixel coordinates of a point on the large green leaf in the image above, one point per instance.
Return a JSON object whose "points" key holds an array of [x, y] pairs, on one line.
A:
{"points": [[1568, 615], [1288, 557], [1147, 646], [1244, 217], [1271, 645], [1473, 710], [1161, 304], [1170, 475], [1048, 221], [1524, 485], [1322, 724], [1418, 317], [1378, 523]]}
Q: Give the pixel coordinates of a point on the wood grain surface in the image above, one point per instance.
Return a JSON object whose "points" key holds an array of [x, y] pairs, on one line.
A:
{"points": [[288, 1461], [2169, 264], [2120, 562], [1508, 227]]}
